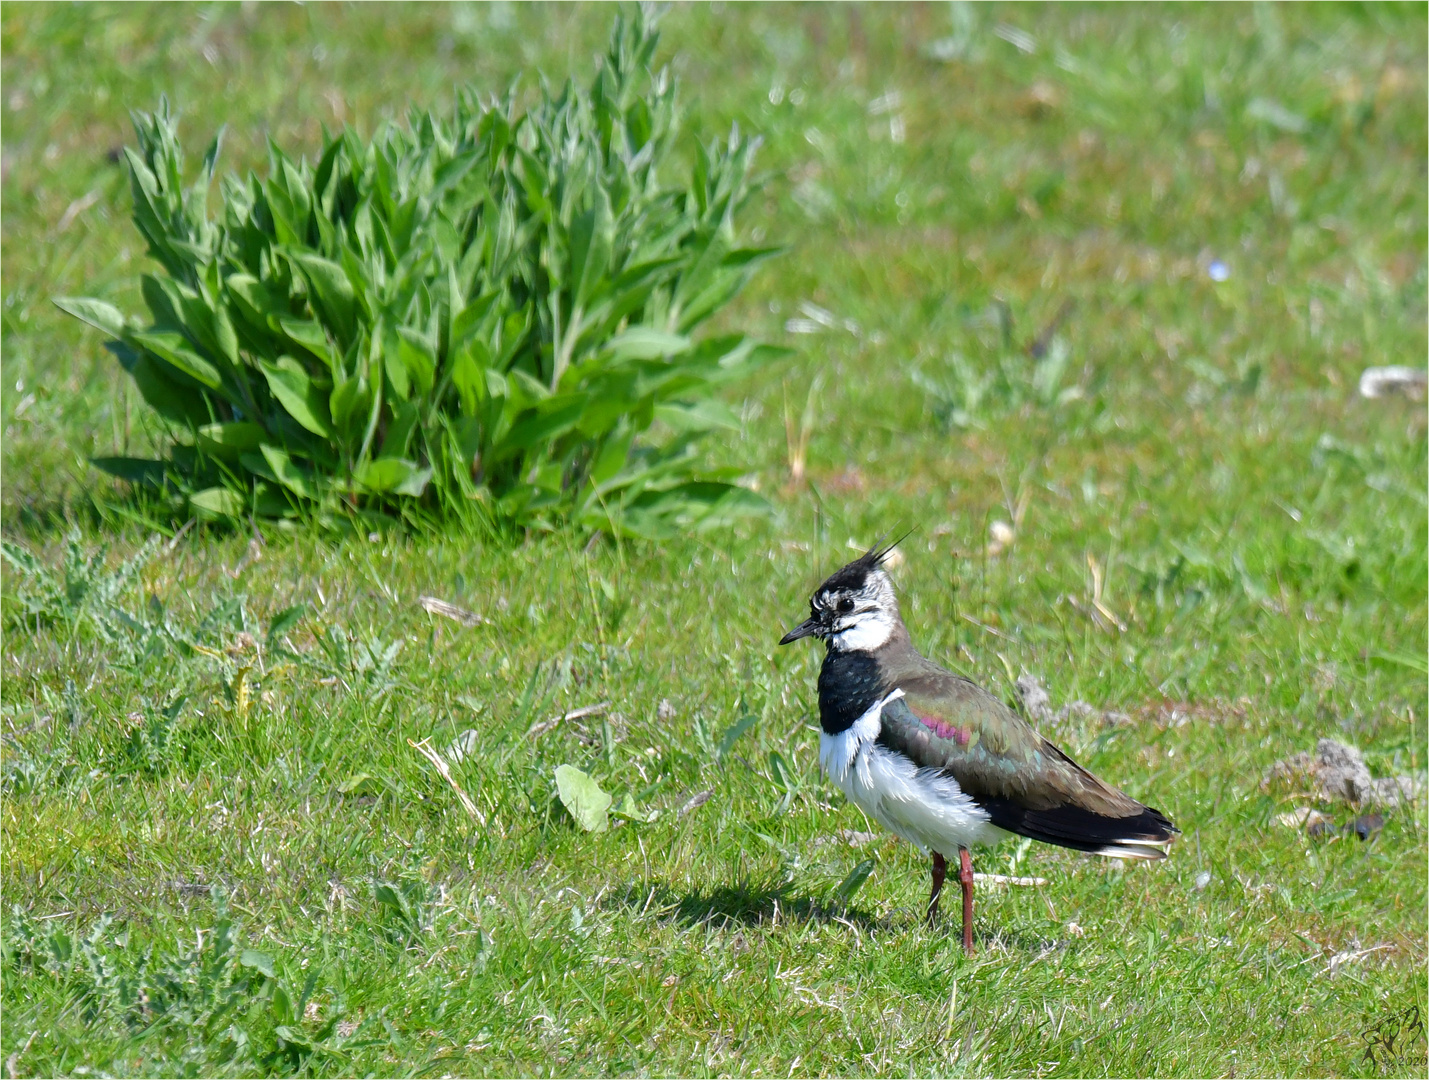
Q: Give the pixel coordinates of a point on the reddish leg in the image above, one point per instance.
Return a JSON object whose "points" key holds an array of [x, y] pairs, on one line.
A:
{"points": [[965, 876], [940, 870]]}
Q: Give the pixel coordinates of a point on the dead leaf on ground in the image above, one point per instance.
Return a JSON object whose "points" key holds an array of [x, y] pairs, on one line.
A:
{"points": [[436, 606]]}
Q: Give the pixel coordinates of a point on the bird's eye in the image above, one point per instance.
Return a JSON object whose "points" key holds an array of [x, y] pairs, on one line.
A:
{"points": [[845, 605]]}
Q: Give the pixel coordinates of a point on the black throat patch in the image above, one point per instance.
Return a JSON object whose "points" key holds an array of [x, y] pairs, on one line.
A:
{"points": [[850, 683]]}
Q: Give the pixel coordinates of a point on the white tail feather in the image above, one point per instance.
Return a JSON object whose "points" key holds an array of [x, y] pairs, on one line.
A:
{"points": [[1134, 849]]}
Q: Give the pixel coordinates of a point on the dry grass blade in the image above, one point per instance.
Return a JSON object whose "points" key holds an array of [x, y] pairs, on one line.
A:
{"points": [[435, 606], [1098, 603], [441, 767], [696, 801], [183, 531], [1350, 957], [797, 440], [1005, 879], [536, 730]]}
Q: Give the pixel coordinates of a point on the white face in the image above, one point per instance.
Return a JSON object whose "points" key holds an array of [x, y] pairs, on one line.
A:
{"points": [[860, 620]]}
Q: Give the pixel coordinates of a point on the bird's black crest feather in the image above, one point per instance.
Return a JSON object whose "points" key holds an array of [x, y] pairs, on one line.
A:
{"points": [[853, 575]]}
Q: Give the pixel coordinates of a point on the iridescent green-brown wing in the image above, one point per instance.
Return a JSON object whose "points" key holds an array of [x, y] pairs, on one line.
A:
{"points": [[1026, 784]]}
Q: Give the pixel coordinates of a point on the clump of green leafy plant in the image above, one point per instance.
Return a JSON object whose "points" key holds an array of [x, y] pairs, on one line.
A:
{"points": [[1002, 377], [209, 1004], [485, 314], [85, 591]]}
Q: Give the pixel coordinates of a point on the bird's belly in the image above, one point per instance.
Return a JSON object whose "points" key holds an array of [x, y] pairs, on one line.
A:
{"points": [[923, 806]]}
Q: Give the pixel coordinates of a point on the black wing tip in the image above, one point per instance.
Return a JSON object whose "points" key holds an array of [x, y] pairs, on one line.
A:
{"points": [[1139, 835]]}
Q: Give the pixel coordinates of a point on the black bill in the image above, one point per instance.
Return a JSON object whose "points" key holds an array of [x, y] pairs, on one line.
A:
{"points": [[806, 628]]}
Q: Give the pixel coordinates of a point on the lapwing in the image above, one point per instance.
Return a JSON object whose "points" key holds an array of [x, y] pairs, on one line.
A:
{"points": [[939, 761]]}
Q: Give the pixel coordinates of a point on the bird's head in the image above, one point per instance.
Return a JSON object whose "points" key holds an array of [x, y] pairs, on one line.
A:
{"points": [[855, 609]]}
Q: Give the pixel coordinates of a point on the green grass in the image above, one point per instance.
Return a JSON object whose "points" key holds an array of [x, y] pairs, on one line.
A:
{"points": [[1192, 454]]}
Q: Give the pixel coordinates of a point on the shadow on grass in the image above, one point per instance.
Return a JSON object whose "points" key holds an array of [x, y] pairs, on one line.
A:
{"points": [[39, 518], [745, 904], [749, 904]]}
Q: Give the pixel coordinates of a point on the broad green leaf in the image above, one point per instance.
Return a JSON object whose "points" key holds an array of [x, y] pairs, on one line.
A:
{"points": [[322, 176], [466, 432], [612, 457], [230, 439], [361, 784], [98, 313], [307, 333], [205, 323], [251, 958], [415, 484], [182, 404], [559, 415], [450, 174], [645, 343], [734, 731], [470, 318], [468, 375], [282, 469], [418, 358], [174, 349], [394, 476], [135, 470], [335, 299], [498, 386], [521, 384], [282, 1008], [350, 402], [721, 290], [269, 500], [857, 876], [225, 337], [253, 300], [583, 797], [217, 503], [165, 299], [399, 430], [780, 771], [628, 809], [298, 394], [704, 415], [257, 464], [709, 251], [392, 362], [549, 477], [608, 401], [591, 237]]}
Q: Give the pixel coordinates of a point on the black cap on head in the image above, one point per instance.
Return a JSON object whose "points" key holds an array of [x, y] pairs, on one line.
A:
{"points": [[852, 578], [855, 574]]}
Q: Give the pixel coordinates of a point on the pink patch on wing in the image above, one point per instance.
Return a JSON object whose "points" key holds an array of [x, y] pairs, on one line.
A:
{"points": [[944, 730]]}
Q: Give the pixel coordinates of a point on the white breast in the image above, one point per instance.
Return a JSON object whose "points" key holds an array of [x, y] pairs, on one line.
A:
{"points": [[923, 806]]}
